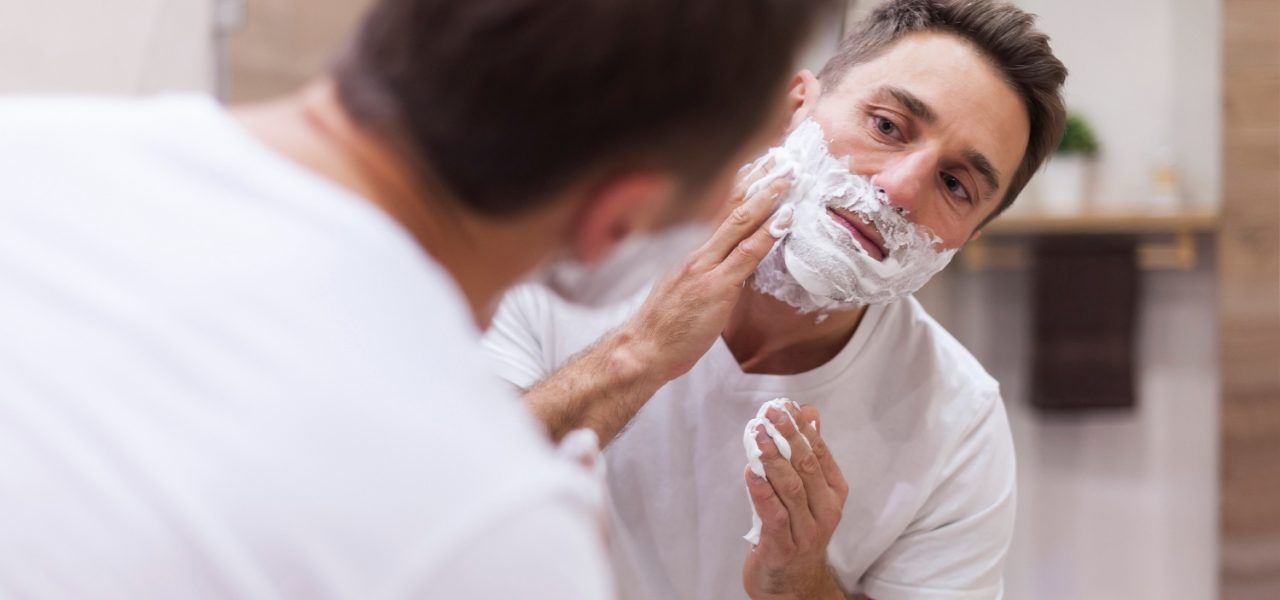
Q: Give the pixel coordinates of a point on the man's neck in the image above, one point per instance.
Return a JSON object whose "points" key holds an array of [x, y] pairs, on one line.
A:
{"points": [[483, 256], [769, 336]]}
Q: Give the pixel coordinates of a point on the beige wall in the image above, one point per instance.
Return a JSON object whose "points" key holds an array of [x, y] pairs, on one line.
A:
{"points": [[283, 43], [118, 47], [1146, 73]]}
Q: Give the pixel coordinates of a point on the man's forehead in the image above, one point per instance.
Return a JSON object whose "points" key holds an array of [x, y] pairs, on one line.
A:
{"points": [[923, 57], [945, 78]]}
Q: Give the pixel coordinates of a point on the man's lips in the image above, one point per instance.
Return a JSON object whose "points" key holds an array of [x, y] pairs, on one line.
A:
{"points": [[861, 232]]}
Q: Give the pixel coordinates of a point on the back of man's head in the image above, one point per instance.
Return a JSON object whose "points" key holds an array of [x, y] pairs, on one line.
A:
{"points": [[506, 102], [1004, 33]]}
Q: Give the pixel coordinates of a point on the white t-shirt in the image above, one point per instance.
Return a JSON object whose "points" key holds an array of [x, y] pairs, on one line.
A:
{"points": [[916, 425], [223, 377]]}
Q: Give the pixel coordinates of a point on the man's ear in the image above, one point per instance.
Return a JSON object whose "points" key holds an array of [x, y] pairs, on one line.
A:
{"points": [[801, 98], [617, 207]]}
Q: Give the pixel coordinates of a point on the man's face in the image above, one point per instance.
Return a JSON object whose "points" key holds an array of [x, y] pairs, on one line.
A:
{"points": [[935, 125]]}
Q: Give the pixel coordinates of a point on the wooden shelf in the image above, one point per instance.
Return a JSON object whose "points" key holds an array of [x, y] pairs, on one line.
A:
{"points": [[1169, 240], [1103, 223]]}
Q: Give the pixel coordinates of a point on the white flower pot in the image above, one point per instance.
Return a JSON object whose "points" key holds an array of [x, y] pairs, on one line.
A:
{"points": [[1064, 183]]}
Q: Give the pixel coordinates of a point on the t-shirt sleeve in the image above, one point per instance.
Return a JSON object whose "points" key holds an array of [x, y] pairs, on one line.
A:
{"points": [[517, 337], [956, 547], [548, 550]]}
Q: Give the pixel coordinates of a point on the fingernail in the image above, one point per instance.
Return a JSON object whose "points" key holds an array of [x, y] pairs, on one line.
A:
{"points": [[775, 415], [781, 223], [784, 215]]}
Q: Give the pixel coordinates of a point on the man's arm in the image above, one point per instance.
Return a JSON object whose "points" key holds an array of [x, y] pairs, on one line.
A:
{"points": [[605, 385]]}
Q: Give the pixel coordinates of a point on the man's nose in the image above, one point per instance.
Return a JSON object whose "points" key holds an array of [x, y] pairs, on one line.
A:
{"points": [[906, 179]]}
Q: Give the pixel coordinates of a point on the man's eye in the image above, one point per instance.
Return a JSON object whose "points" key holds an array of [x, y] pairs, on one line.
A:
{"points": [[885, 126], [955, 187]]}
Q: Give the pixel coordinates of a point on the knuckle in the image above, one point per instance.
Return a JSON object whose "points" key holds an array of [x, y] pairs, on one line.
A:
{"points": [[842, 490], [808, 465], [831, 515], [778, 517], [779, 185], [740, 215], [784, 427], [690, 265], [820, 449], [751, 248], [835, 517], [793, 488]]}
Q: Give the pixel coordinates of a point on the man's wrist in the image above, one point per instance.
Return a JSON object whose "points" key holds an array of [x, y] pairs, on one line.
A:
{"points": [[818, 586], [636, 359]]}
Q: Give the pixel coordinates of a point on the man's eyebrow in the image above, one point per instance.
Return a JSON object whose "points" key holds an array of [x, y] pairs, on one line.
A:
{"points": [[984, 168], [913, 103]]}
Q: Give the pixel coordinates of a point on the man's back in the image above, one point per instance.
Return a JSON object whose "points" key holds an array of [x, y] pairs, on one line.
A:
{"points": [[221, 376]]}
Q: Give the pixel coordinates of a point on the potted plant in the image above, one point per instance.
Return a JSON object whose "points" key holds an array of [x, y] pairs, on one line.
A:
{"points": [[1066, 176]]}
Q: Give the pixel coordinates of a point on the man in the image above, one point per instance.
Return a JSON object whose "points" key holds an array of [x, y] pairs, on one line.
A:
{"points": [[948, 108], [240, 349]]}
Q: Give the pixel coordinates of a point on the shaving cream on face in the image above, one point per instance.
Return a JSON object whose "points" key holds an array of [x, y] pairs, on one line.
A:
{"points": [[818, 265], [761, 421]]}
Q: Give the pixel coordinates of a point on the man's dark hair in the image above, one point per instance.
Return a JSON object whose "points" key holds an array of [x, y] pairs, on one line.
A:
{"points": [[1005, 34], [506, 102]]}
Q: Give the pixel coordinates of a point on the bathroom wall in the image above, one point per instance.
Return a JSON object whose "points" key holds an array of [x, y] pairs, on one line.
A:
{"points": [[1147, 74], [1120, 505], [117, 47], [280, 44], [1112, 505]]}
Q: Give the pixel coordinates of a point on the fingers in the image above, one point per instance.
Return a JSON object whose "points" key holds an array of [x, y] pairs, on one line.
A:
{"points": [[788, 486], [748, 175], [748, 254], [823, 503], [744, 221], [775, 523], [811, 425]]}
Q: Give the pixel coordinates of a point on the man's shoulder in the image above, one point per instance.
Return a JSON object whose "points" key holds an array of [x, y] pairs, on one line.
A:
{"points": [[56, 119], [559, 328]]}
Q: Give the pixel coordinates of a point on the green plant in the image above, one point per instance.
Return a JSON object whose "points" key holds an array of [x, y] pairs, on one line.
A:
{"points": [[1078, 137]]}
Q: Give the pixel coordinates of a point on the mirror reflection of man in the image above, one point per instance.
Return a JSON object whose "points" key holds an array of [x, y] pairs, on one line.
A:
{"points": [[901, 481], [240, 349]]}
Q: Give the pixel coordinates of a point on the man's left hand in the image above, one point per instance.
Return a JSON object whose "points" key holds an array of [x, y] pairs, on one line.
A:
{"points": [[800, 504]]}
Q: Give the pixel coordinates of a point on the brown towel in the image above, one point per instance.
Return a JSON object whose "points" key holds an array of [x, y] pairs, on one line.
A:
{"points": [[1085, 299]]}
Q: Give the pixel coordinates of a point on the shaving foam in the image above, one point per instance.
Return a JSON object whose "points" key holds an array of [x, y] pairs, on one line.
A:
{"points": [[818, 265], [754, 453]]}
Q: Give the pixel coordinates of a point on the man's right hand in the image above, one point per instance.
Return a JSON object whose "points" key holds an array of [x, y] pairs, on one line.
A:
{"points": [[688, 309]]}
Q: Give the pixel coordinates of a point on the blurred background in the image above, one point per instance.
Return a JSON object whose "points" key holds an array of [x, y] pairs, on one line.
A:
{"points": [[1129, 304]]}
